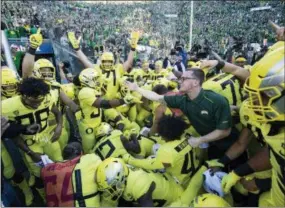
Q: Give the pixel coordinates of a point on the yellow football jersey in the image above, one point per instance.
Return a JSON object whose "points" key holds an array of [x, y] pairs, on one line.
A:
{"points": [[146, 144], [178, 155], [158, 75], [273, 135], [4, 97], [275, 140], [226, 85], [110, 146], [91, 116], [130, 75], [55, 91], [143, 76], [111, 83], [15, 110], [83, 182], [139, 181], [254, 126], [181, 157]]}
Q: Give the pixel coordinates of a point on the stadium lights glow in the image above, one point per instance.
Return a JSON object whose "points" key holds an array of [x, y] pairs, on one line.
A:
{"points": [[260, 8], [171, 15]]}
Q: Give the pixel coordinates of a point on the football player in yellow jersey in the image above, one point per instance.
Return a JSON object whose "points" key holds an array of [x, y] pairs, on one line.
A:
{"points": [[69, 90], [107, 66], [146, 145], [144, 188], [226, 85], [91, 103], [44, 69], [159, 72], [69, 118], [113, 143], [144, 74], [259, 181], [129, 111], [144, 109], [265, 87], [9, 87], [33, 105], [175, 156], [71, 182], [9, 83], [242, 62]]}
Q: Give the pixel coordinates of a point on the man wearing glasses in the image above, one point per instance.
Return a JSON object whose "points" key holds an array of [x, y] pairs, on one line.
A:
{"points": [[207, 111]]}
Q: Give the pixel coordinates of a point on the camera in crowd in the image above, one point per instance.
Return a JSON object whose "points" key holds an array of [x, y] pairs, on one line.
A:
{"points": [[238, 43], [201, 50]]}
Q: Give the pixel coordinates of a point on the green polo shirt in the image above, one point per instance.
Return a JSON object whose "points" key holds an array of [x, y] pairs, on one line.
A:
{"points": [[207, 112]]}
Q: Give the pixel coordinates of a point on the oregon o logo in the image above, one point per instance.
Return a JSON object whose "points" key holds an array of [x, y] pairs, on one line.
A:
{"points": [[29, 142], [89, 131]]}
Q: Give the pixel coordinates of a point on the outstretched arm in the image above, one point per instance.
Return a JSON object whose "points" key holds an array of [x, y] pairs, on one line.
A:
{"points": [[241, 73], [83, 58], [75, 45], [148, 164], [134, 42], [146, 93], [29, 59], [129, 62]]}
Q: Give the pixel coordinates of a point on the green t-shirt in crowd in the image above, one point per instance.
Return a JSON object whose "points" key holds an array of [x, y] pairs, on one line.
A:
{"points": [[33, 30], [22, 32], [12, 33], [17, 59]]}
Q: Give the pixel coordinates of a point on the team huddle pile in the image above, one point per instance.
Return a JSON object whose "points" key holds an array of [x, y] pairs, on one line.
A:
{"points": [[146, 138]]}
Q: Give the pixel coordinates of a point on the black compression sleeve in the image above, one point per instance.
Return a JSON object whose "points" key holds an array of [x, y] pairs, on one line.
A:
{"points": [[263, 184], [105, 104], [14, 130]]}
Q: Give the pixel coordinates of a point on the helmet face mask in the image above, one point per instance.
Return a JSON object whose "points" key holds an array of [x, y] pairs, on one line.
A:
{"points": [[111, 177], [266, 103], [265, 88], [47, 73], [9, 83], [91, 78], [9, 89], [44, 69], [107, 61], [107, 65], [116, 189]]}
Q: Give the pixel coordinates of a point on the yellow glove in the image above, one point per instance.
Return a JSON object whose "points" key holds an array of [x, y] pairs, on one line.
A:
{"points": [[214, 163], [73, 41], [229, 181], [134, 39], [36, 39], [126, 158], [130, 99]]}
